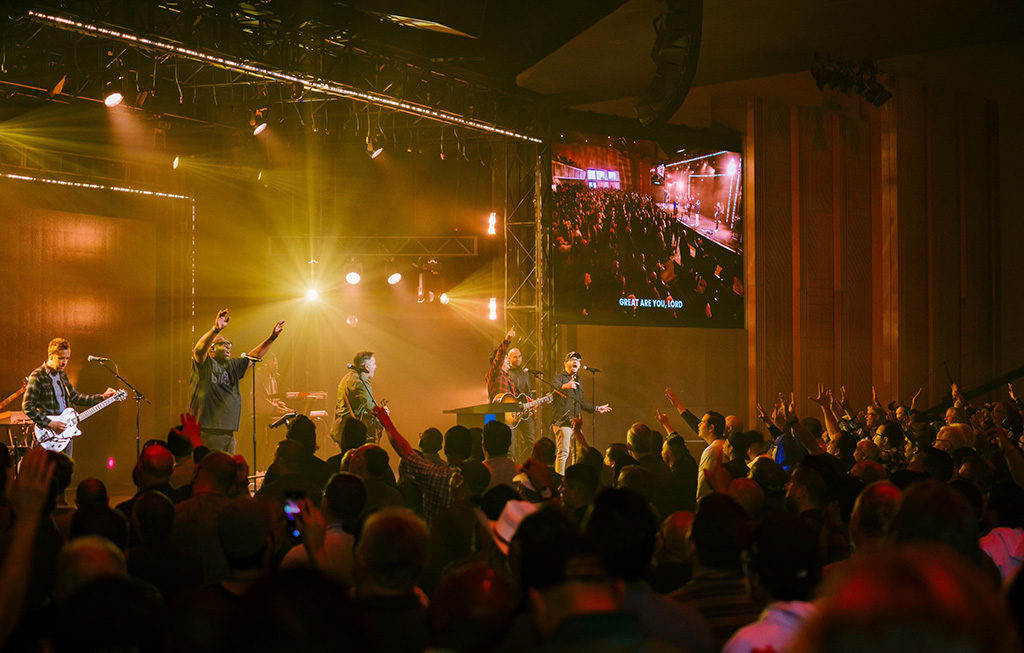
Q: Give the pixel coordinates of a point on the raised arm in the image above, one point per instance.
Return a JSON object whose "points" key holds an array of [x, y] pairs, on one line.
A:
{"points": [[824, 399], [202, 348], [805, 438], [28, 495], [691, 420], [261, 350], [1013, 456], [400, 444], [577, 433]]}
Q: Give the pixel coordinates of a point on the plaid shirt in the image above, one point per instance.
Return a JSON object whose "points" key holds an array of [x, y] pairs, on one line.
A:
{"points": [[431, 479], [498, 381], [40, 401]]}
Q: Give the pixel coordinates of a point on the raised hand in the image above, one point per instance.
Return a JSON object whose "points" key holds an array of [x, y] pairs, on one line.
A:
{"points": [[222, 320], [662, 419], [189, 429], [1013, 397], [823, 398], [791, 408], [844, 402], [277, 329], [874, 396], [381, 413], [29, 491], [604, 408], [671, 394], [763, 416], [511, 334]]}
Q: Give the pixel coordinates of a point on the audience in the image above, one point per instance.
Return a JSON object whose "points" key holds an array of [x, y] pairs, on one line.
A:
{"points": [[923, 543]]}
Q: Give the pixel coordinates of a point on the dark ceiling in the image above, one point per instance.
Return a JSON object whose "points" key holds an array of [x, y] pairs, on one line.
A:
{"points": [[502, 62]]}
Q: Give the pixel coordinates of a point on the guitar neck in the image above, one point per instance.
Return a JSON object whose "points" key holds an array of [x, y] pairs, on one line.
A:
{"points": [[98, 407], [536, 402]]}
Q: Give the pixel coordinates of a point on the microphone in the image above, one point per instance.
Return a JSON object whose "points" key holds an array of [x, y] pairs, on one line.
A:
{"points": [[533, 372], [283, 419], [98, 359], [252, 358], [591, 369]]}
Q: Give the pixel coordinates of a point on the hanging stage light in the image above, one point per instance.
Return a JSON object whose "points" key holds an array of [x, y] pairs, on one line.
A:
{"points": [[391, 272], [312, 294], [444, 299], [493, 305], [113, 92], [353, 273]]}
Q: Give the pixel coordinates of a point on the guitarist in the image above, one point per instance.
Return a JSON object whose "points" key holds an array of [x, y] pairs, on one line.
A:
{"points": [[507, 375], [355, 397], [49, 391]]}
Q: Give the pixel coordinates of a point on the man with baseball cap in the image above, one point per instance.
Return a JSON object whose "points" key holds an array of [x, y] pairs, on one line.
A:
{"points": [[568, 403]]}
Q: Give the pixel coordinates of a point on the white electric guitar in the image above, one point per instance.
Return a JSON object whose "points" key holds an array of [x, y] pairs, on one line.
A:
{"points": [[53, 441]]}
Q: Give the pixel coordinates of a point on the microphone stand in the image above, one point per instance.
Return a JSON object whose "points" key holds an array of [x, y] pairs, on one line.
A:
{"points": [[139, 398], [253, 360], [593, 400]]}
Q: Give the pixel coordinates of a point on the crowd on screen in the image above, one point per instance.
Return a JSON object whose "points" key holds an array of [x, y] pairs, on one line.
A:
{"points": [[616, 246], [878, 529]]}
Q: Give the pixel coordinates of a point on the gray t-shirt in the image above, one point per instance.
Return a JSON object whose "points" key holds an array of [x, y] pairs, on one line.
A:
{"points": [[216, 400]]}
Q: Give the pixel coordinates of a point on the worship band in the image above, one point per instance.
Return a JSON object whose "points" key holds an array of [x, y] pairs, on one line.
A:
{"points": [[216, 400]]}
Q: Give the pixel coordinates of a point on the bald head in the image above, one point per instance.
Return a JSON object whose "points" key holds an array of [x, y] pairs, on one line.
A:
{"points": [[733, 424], [91, 493], [155, 466], [868, 471]]}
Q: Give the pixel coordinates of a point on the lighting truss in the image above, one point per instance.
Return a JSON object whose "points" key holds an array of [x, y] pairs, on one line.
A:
{"points": [[324, 87]]}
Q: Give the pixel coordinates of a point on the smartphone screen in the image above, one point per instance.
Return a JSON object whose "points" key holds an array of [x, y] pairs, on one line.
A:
{"points": [[291, 509]]}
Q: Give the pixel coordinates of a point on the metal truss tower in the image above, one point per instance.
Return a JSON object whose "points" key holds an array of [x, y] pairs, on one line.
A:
{"points": [[524, 180]]}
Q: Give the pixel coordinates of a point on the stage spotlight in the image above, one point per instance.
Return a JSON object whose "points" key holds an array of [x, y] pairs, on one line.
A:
{"points": [[259, 129], [494, 309], [444, 299], [351, 320], [371, 151], [391, 272], [420, 295], [492, 224], [353, 273], [113, 93], [312, 295], [176, 162]]}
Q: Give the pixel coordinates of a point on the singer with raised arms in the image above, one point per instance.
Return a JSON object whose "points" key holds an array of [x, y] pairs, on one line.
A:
{"points": [[568, 404], [216, 399], [49, 392]]}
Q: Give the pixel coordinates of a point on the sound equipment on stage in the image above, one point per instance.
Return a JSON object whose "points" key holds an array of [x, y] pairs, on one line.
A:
{"points": [[305, 395]]}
